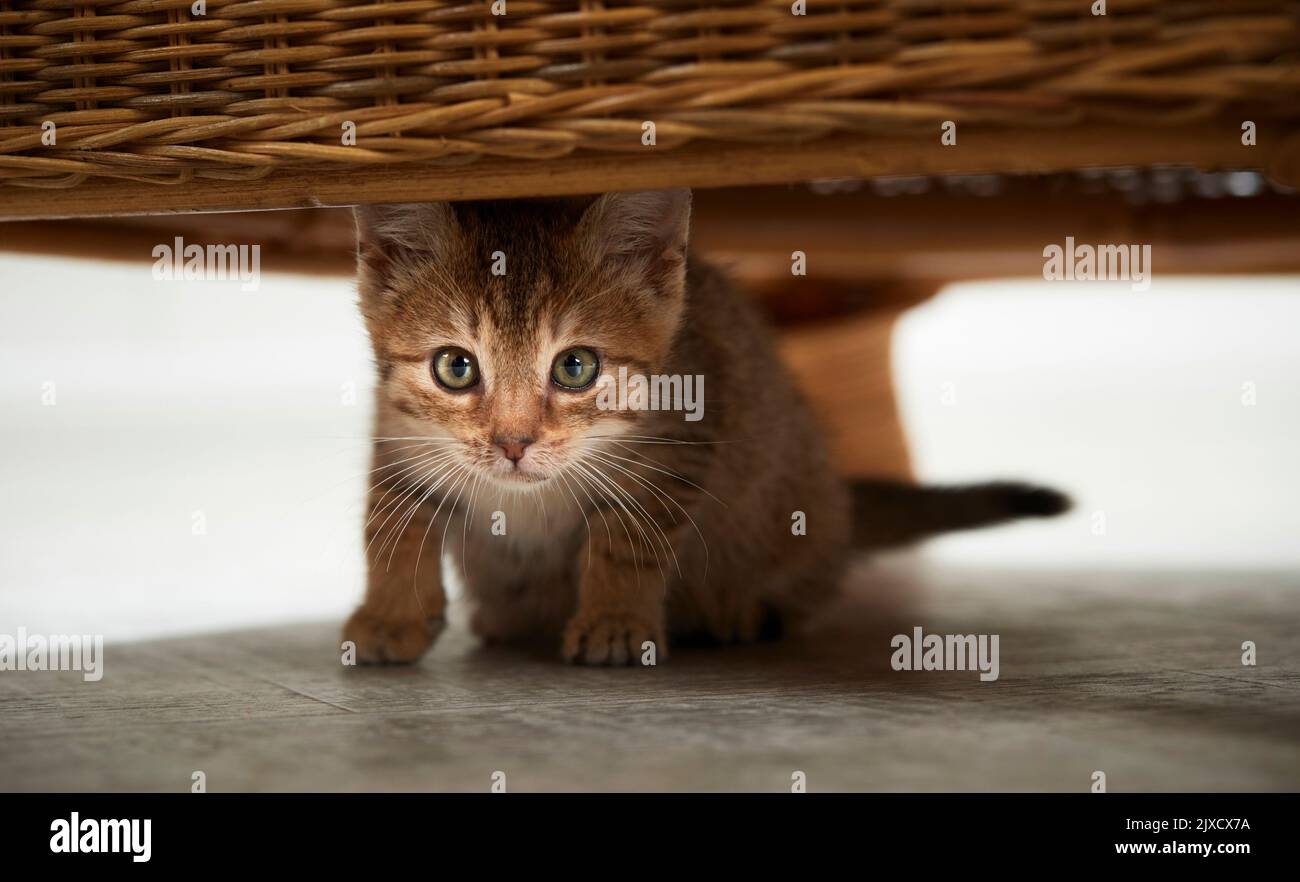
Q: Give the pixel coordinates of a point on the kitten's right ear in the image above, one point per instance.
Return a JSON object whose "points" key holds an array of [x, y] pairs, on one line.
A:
{"points": [[652, 226], [389, 234]]}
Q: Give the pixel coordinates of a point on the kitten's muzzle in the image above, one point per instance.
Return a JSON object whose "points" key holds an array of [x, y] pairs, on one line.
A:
{"points": [[513, 448]]}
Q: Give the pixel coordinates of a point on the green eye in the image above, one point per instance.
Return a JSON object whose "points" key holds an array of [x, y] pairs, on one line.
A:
{"points": [[575, 368], [455, 368]]}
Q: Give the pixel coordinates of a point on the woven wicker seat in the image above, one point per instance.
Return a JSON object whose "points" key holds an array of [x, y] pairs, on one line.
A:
{"points": [[148, 91]]}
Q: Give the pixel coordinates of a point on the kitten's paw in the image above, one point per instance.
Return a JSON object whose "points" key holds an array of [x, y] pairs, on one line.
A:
{"points": [[387, 641], [611, 638]]}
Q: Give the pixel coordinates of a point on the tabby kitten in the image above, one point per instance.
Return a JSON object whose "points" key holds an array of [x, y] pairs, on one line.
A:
{"points": [[496, 328]]}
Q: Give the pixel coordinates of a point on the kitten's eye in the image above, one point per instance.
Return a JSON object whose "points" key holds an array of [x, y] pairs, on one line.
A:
{"points": [[575, 368], [455, 368]]}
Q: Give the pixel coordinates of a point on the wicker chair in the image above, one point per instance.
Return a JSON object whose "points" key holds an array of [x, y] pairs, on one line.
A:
{"points": [[120, 107]]}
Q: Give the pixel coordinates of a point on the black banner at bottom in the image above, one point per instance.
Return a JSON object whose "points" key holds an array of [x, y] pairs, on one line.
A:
{"points": [[335, 831]]}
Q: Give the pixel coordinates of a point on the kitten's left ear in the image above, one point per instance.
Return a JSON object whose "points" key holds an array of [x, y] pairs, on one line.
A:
{"points": [[389, 235], [653, 226]]}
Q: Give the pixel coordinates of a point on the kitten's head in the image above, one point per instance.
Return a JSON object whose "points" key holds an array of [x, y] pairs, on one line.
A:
{"points": [[492, 322]]}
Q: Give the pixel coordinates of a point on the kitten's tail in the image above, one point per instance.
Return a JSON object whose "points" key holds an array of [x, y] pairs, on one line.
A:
{"points": [[889, 513]]}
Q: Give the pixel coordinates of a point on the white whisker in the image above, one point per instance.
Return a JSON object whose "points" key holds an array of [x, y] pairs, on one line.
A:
{"points": [[654, 525], [636, 521], [567, 486], [604, 494], [670, 474], [665, 495]]}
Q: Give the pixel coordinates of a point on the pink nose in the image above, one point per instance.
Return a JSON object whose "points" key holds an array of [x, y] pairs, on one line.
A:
{"points": [[513, 448]]}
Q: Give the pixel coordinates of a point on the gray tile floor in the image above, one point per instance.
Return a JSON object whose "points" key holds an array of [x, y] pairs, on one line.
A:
{"points": [[1139, 676]]}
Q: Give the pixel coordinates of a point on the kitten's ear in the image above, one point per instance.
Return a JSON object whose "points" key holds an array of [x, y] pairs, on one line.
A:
{"points": [[653, 226], [387, 234]]}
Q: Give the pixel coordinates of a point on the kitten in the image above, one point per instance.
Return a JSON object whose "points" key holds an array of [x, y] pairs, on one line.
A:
{"points": [[496, 328]]}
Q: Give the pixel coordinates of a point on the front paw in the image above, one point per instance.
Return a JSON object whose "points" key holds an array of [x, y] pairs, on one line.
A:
{"points": [[389, 641], [611, 638]]}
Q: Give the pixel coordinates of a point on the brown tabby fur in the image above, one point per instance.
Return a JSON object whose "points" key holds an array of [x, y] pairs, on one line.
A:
{"points": [[621, 527]]}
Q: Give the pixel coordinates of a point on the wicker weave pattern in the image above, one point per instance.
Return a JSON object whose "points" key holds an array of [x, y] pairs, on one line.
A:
{"points": [[146, 90]]}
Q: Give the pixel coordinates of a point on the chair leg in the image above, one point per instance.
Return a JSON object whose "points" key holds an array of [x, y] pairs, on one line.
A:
{"points": [[843, 368]]}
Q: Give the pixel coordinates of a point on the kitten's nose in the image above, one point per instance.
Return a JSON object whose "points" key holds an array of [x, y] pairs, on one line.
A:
{"points": [[513, 448]]}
